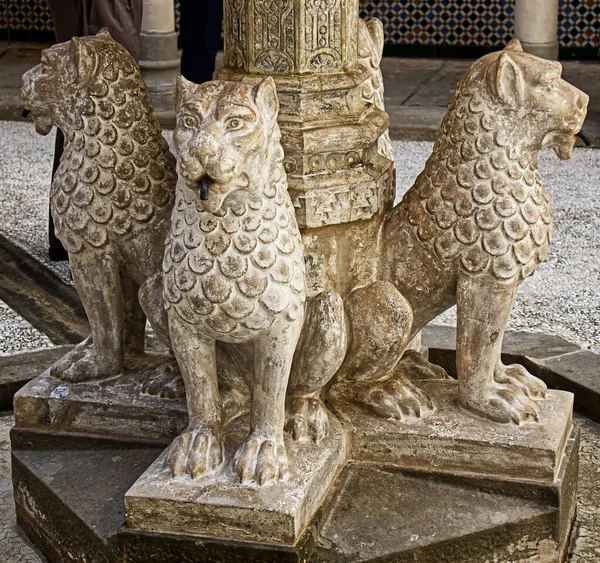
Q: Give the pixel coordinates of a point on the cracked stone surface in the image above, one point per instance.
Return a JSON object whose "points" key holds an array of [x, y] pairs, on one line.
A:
{"points": [[14, 546], [587, 544]]}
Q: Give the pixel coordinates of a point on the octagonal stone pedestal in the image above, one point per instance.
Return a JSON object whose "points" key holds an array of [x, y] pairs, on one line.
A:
{"points": [[449, 487]]}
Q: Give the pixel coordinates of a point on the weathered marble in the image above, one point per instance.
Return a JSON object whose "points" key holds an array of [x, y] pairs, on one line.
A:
{"points": [[454, 441], [111, 195], [219, 506], [233, 272]]}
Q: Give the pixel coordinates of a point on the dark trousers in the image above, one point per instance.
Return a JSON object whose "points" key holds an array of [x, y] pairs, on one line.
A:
{"points": [[199, 34], [123, 18]]}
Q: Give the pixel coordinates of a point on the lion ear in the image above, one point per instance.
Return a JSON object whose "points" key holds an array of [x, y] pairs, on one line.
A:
{"points": [[265, 97], [504, 79], [83, 60], [375, 28], [104, 33], [514, 45], [184, 88]]}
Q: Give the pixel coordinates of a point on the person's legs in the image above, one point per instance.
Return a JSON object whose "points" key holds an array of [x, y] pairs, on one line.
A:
{"points": [[68, 19], [200, 31], [122, 18]]}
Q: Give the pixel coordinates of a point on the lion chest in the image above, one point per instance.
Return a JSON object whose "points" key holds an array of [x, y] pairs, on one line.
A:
{"points": [[235, 272]]}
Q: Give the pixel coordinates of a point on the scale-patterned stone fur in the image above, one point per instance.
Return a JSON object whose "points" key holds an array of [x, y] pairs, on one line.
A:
{"points": [[480, 199], [116, 172], [231, 269]]}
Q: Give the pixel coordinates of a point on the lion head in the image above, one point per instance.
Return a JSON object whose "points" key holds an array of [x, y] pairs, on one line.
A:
{"points": [[226, 136], [525, 98], [81, 78]]}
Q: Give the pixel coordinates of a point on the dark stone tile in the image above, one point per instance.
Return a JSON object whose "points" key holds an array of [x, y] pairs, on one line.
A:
{"points": [[70, 502], [536, 345], [386, 516], [579, 373]]}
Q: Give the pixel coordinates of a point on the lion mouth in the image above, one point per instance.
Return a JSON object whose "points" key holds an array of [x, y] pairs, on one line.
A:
{"points": [[203, 184], [562, 144], [43, 123]]}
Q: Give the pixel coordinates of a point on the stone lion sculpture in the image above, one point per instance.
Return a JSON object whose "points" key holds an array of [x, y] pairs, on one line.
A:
{"points": [[233, 272], [475, 224], [111, 196], [478, 221]]}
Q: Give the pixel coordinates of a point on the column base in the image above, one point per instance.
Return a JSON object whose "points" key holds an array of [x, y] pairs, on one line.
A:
{"points": [[544, 50], [159, 63]]}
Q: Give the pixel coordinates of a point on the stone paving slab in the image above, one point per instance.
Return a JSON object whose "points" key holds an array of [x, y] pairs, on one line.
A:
{"points": [[17, 369]]}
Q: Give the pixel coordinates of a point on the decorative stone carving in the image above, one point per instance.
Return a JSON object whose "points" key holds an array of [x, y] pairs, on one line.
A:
{"points": [[474, 225], [370, 51], [233, 271], [111, 197], [290, 36], [478, 220]]}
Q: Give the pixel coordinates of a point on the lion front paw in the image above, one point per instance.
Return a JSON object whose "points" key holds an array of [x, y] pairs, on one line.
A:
{"points": [[260, 459], [163, 381], [195, 452], [516, 375], [307, 418], [396, 398], [82, 364], [509, 397]]}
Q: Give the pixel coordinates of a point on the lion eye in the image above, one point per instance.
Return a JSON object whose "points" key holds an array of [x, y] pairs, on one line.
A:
{"points": [[234, 123], [189, 121]]}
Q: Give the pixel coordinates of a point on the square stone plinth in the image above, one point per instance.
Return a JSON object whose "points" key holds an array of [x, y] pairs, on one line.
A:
{"points": [[454, 440], [219, 506], [116, 407]]}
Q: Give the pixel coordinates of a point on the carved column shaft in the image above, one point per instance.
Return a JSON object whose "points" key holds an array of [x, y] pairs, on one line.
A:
{"points": [[325, 63], [291, 36]]}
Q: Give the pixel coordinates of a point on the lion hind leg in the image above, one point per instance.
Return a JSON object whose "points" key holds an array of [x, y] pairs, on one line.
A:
{"points": [[380, 320], [319, 354], [151, 300]]}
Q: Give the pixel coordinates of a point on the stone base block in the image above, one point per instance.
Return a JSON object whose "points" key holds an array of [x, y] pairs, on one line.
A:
{"points": [[115, 407], [456, 441], [70, 501], [219, 506]]}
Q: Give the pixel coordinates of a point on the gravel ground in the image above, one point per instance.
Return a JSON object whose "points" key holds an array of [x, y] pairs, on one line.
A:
{"points": [[17, 335], [563, 297]]}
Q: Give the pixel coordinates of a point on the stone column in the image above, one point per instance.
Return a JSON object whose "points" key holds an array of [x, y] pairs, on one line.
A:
{"points": [[330, 125], [536, 23], [159, 59]]}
